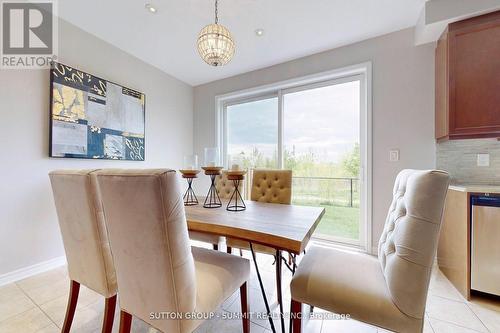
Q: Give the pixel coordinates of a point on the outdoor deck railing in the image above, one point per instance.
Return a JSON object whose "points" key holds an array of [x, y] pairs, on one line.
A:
{"points": [[333, 191], [337, 191]]}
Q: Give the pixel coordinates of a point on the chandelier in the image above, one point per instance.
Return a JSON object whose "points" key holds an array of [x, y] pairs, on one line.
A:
{"points": [[215, 43]]}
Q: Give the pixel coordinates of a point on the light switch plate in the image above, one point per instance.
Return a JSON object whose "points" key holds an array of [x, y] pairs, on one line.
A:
{"points": [[394, 155], [483, 160]]}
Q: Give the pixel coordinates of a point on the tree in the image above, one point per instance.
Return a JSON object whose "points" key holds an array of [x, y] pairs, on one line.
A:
{"points": [[351, 162], [290, 160]]}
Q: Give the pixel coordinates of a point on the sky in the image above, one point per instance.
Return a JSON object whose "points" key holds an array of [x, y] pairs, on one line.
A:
{"points": [[324, 121]]}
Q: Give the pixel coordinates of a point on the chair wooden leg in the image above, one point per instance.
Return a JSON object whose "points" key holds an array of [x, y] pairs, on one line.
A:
{"points": [[216, 247], [71, 307], [229, 250], [296, 316], [245, 308], [109, 314], [125, 322]]}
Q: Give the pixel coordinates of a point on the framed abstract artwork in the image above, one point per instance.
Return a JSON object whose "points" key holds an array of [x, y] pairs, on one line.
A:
{"points": [[94, 118]]}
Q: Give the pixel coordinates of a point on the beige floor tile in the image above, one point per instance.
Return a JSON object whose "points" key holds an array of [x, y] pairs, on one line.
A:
{"points": [[488, 314], [347, 326], [50, 329], [42, 279], [454, 312], [88, 296], [30, 321], [447, 310], [235, 297], [227, 326], [427, 326], [312, 326], [442, 287], [13, 301], [137, 326], [46, 286], [445, 327], [87, 319], [56, 308]]}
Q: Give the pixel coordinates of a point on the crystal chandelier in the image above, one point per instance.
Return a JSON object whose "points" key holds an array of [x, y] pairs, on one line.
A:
{"points": [[215, 43]]}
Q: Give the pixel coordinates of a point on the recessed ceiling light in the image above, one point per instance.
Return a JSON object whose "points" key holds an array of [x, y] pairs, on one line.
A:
{"points": [[259, 32], [150, 8]]}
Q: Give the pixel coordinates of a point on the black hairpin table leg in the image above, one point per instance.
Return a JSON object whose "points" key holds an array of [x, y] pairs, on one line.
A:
{"points": [[278, 288], [294, 267], [266, 303]]}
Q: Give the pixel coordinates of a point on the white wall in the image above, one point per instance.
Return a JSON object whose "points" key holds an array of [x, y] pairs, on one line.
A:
{"points": [[403, 104], [29, 232]]}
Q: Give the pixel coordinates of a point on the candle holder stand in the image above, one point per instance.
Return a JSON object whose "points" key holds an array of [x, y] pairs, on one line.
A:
{"points": [[189, 197], [236, 202], [212, 199]]}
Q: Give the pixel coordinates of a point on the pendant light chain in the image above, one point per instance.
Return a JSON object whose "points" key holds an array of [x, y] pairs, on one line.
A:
{"points": [[216, 11]]}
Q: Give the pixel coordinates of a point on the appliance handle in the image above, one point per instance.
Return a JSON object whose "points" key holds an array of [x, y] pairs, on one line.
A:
{"points": [[482, 200]]}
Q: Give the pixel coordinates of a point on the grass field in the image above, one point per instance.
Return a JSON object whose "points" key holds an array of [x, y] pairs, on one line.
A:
{"points": [[336, 195], [338, 221]]}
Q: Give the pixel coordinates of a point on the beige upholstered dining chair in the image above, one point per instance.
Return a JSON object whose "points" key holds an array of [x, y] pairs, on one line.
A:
{"points": [[225, 188], [391, 291], [85, 239], [161, 279], [270, 186]]}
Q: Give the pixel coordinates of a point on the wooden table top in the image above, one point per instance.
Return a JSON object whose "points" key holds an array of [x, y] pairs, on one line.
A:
{"points": [[284, 227]]}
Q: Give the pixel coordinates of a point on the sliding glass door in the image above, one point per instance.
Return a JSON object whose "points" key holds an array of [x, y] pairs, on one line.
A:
{"points": [[321, 125], [317, 131]]}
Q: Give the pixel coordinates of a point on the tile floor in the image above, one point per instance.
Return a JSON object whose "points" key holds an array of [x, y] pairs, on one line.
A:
{"points": [[37, 305]]}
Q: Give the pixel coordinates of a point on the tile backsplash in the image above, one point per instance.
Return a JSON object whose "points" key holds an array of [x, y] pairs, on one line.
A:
{"points": [[459, 158]]}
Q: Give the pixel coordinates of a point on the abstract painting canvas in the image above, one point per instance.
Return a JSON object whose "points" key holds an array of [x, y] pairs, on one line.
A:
{"points": [[94, 118]]}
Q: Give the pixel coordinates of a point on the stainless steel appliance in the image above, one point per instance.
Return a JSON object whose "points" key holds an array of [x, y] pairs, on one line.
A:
{"points": [[485, 244]]}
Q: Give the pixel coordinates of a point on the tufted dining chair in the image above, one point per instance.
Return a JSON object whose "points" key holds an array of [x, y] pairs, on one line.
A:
{"points": [[162, 280], [270, 186], [85, 239], [389, 292], [225, 188]]}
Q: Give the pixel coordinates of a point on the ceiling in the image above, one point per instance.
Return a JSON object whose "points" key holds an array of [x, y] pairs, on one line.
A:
{"points": [[292, 29]]}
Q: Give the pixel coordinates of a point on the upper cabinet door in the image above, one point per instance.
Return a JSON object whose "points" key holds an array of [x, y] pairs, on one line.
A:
{"points": [[471, 70]]}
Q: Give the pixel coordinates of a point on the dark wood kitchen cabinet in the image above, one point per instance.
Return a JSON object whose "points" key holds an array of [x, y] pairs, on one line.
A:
{"points": [[468, 79]]}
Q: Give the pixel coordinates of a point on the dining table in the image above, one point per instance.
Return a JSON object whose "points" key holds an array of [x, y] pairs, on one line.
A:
{"points": [[285, 228]]}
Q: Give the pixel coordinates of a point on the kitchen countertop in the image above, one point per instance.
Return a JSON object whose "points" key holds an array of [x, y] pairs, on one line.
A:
{"points": [[475, 188]]}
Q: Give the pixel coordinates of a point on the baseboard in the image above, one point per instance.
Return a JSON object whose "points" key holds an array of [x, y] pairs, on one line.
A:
{"points": [[25, 272]]}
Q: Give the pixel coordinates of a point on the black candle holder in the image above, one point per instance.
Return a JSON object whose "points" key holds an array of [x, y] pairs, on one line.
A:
{"points": [[212, 199], [189, 197], [236, 202]]}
